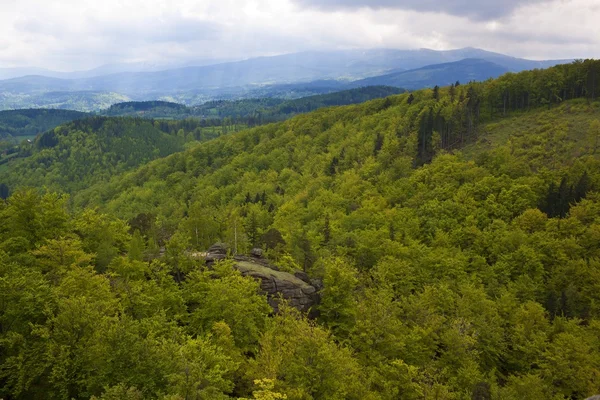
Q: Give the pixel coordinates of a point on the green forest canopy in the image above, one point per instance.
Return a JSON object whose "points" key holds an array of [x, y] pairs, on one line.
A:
{"points": [[456, 232], [31, 122], [249, 111]]}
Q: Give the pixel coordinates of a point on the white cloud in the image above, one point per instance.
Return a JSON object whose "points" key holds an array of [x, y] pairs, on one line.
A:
{"points": [[79, 34]]}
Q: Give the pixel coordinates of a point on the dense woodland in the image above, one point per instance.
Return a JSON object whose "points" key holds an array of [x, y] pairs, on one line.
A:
{"points": [[250, 112], [33, 121], [455, 230], [265, 110], [82, 152]]}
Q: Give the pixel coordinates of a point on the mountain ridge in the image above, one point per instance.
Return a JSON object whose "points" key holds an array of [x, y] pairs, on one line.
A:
{"points": [[445, 74]]}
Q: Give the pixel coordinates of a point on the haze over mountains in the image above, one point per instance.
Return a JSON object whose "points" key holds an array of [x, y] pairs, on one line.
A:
{"points": [[469, 69], [260, 77]]}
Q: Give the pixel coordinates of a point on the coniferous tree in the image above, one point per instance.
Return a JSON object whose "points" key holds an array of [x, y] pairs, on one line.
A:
{"points": [[326, 231], [378, 144], [4, 192], [436, 93], [452, 93], [252, 229], [582, 187]]}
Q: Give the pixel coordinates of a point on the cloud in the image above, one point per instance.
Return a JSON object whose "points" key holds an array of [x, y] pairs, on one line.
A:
{"points": [[165, 29], [80, 34], [475, 9]]}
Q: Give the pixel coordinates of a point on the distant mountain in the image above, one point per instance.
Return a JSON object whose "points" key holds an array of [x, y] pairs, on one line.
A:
{"points": [[288, 68], [107, 69], [467, 70], [286, 76]]}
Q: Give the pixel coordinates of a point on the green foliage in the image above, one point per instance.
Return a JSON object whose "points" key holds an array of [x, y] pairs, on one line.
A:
{"points": [[78, 154], [224, 295], [320, 369], [30, 122]]}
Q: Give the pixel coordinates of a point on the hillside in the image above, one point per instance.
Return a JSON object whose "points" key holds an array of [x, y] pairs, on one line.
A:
{"points": [[466, 70], [270, 109], [453, 233], [147, 109], [75, 155], [31, 122], [250, 111]]}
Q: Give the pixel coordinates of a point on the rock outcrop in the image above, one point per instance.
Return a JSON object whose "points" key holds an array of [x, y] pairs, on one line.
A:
{"points": [[216, 252], [297, 289]]}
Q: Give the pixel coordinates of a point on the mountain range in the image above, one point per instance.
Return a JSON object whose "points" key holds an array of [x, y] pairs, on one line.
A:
{"points": [[263, 76], [469, 69]]}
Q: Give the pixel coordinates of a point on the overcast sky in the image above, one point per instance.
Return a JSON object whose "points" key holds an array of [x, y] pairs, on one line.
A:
{"points": [[81, 34]]}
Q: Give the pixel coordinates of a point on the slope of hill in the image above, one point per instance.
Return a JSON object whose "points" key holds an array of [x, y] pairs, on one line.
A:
{"points": [[445, 274], [251, 111], [148, 109], [273, 109], [31, 122], [466, 70], [75, 155]]}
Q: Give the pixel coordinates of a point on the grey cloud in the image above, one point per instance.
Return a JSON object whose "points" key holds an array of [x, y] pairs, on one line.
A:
{"points": [[474, 9], [168, 29]]}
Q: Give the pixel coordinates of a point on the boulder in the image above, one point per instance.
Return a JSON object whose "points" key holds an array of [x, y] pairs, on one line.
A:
{"points": [[256, 252], [217, 251]]}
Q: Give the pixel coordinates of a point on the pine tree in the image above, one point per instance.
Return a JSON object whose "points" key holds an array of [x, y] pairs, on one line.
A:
{"points": [[4, 192], [378, 143], [582, 187], [252, 230], [326, 231]]}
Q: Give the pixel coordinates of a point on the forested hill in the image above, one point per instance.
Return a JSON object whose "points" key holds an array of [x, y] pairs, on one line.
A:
{"points": [[31, 122], [455, 231], [77, 154], [148, 109], [271, 109], [250, 111]]}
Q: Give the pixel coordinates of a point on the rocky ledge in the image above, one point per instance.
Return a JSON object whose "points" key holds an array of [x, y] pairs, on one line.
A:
{"points": [[297, 289]]}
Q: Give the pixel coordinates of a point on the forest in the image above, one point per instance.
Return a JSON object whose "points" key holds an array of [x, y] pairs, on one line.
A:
{"points": [[33, 121], [455, 232], [252, 112]]}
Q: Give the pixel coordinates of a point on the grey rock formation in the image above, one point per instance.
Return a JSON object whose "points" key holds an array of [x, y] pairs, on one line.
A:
{"points": [[297, 289], [217, 251], [277, 284]]}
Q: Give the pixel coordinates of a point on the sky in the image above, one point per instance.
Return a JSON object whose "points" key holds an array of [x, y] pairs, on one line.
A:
{"points": [[68, 35]]}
